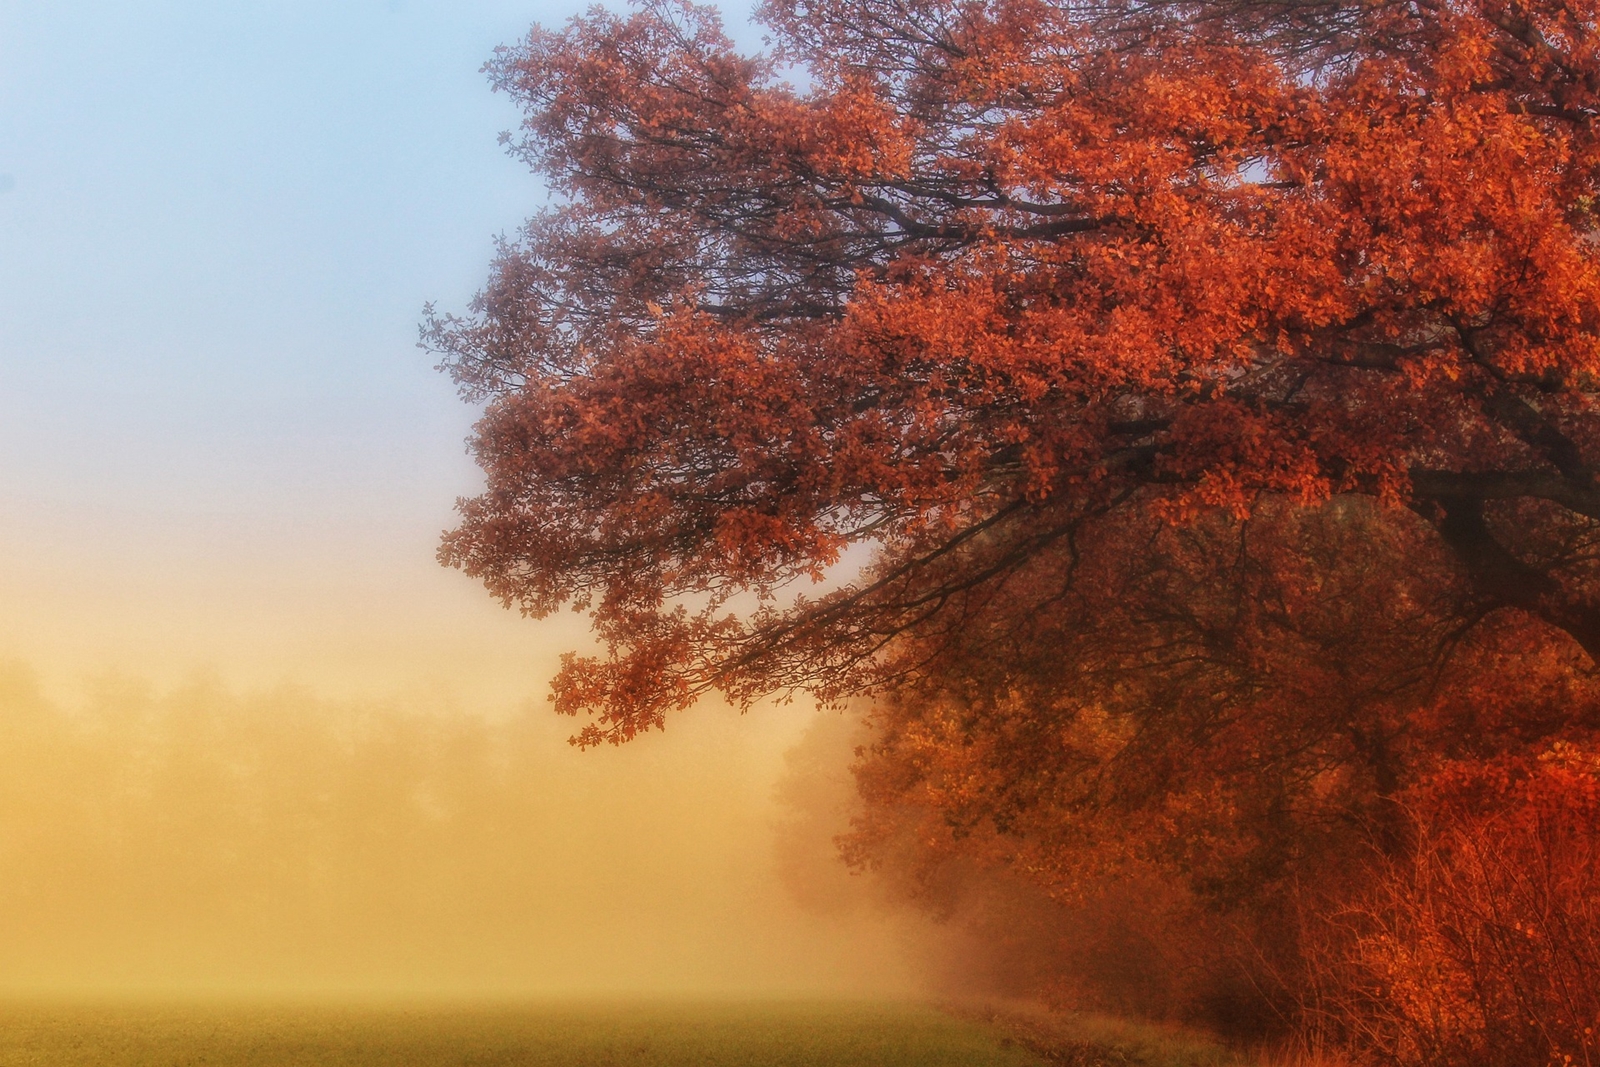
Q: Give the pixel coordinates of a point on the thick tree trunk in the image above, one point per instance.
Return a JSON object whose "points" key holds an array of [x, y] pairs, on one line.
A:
{"points": [[1504, 579]]}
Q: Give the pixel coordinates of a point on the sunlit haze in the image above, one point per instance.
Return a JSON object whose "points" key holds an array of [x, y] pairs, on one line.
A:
{"points": [[256, 737]]}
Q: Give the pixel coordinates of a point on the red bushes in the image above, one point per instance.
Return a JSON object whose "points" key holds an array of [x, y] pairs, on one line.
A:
{"points": [[1482, 947]]}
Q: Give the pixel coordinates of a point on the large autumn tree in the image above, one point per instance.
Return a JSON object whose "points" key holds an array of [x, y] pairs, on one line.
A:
{"points": [[948, 279]]}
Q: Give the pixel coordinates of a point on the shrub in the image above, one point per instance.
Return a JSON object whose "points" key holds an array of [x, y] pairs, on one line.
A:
{"points": [[1482, 947]]}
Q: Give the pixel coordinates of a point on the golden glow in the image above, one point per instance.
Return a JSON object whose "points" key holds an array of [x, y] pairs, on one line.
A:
{"points": [[202, 841], [315, 761], [252, 737]]}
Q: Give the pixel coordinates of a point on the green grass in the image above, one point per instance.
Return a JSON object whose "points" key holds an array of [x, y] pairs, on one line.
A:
{"points": [[611, 1035], [1090, 1040]]}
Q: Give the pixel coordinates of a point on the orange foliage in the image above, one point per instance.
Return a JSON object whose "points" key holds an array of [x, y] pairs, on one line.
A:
{"points": [[1247, 712], [1217, 383], [1482, 946], [1000, 266]]}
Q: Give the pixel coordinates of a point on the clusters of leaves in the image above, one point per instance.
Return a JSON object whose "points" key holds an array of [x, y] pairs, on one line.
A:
{"points": [[1004, 264], [1480, 944], [1361, 786], [1215, 384]]}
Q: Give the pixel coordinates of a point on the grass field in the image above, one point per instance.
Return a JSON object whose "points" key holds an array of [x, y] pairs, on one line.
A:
{"points": [[611, 1035]]}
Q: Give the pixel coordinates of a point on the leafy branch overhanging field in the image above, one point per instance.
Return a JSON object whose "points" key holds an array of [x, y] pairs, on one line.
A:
{"points": [[1213, 385]]}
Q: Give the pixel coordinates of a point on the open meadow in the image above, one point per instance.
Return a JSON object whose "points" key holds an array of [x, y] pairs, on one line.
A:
{"points": [[656, 1034]]}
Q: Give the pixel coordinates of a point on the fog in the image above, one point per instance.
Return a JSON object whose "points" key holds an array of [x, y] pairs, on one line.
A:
{"points": [[252, 737], [202, 839]]}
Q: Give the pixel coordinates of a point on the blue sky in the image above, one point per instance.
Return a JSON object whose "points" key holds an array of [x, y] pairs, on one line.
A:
{"points": [[219, 221], [222, 455]]}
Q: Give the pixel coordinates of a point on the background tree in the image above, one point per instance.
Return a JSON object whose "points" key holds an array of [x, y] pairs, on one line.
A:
{"points": [[1223, 749]]}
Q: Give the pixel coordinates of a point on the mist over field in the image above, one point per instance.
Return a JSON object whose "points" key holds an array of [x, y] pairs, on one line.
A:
{"points": [[200, 840], [1170, 432], [253, 738]]}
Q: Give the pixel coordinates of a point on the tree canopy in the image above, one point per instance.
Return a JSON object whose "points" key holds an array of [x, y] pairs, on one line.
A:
{"points": [[1181, 416], [951, 278]]}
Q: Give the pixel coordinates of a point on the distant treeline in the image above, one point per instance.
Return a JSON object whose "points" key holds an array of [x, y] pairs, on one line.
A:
{"points": [[201, 839]]}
